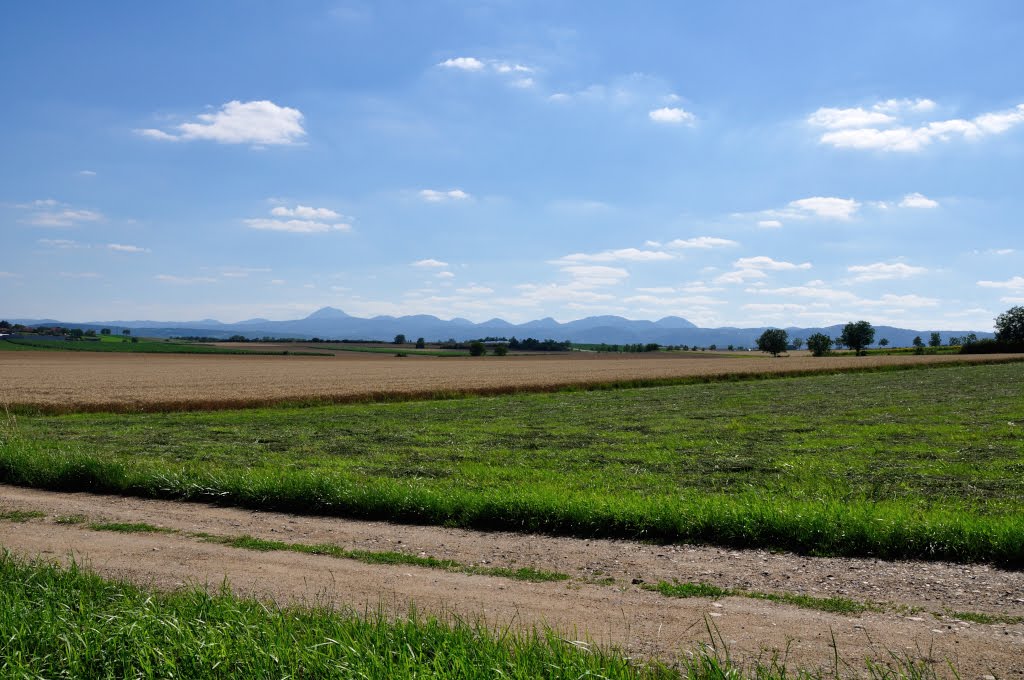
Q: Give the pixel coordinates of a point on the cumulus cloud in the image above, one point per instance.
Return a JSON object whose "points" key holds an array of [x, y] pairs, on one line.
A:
{"points": [[125, 248], [305, 212], [701, 242], [883, 128], [880, 271], [474, 289], [257, 122], [672, 115], [87, 173], [916, 200], [429, 262], [596, 275], [63, 243], [769, 224], [463, 64], [434, 196], [740, 276], [622, 254], [1015, 283], [826, 207], [763, 262], [304, 220], [445, 275]]}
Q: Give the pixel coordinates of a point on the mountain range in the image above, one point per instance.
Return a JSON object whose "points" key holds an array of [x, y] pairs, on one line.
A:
{"points": [[334, 324]]}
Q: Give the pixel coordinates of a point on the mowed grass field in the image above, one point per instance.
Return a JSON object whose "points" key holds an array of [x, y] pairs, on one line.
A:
{"points": [[898, 464], [87, 381]]}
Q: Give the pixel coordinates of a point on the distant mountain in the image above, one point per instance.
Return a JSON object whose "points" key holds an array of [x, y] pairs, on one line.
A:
{"points": [[334, 324]]}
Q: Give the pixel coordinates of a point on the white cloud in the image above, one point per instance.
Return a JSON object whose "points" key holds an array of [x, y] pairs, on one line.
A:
{"points": [[916, 200], [463, 64], [504, 67], [596, 275], [835, 119], [826, 207], [87, 173], [256, 122], [295, 226], [1014, 283], [622, 254], [184, 280], [880, 271], [9, 275], [763, 262], [277, 282], [740, 276], [994, 251], [65, 216], [877, 131], [769, 224], [445, 275], [429, 262], [434, 196], [124, 248], [80, 275], [902, 105], [672, 115], [306, 220], [701, 242], [523, 83], [305, 212]]}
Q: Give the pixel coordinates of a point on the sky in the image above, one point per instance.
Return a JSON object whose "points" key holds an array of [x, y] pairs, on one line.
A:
{"points": [[733, 163]]}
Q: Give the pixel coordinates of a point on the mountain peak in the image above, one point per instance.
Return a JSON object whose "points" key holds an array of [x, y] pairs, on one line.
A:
{"points": [[328, 313]]}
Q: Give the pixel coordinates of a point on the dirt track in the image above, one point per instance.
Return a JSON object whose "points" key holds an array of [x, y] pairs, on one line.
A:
{"points": [[89, 381], [914, 596]]}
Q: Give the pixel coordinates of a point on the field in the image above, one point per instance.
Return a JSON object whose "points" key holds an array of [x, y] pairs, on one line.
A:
{"points": [[768, 498], [66, 381], [144, 346]]}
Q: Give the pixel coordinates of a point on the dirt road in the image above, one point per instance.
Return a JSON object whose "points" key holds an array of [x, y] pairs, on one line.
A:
{"points": [[603, 601]]}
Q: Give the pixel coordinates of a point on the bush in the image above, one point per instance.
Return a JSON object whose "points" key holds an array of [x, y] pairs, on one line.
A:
{"points": [[500, 350], [990, 346], [477, 349]]}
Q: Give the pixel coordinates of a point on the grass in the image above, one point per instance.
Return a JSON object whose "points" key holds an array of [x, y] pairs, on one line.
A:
{"points": [[129, 527], [980, 617], [835, 605], [141, 347], [387, 557], [70, 623], [926, 463], [20, 515]]}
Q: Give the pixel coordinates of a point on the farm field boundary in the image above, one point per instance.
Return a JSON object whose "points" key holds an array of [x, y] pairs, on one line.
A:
{"points": [[233, 383]]}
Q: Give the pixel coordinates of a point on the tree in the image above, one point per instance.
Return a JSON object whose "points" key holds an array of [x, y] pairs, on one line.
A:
{"points": [[857, 335], [883, 342], [1010, 326], [104, 331], [773, 341], [918, 345], [819, 344], [400, 339], [420, 343], [797, 343], [935, 339], [4, 325], [500, 350], [477, 349]]}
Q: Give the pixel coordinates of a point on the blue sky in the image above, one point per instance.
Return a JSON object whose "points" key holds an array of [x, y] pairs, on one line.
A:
{"points": [[734, 163]]}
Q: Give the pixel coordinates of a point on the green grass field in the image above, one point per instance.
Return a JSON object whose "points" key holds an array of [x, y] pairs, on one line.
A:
{"points": [[142, 347], [902, 464]]}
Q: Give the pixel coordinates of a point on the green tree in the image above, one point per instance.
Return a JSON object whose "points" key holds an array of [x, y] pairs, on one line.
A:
{"points": [[774, 341], [857, 335], [819, 344], [400, 339], [918, 345], [500, 350], [935, 339], [104, 331], [477, 349], [420, 343], [797, 343], [884, 342], [1010, 326]]}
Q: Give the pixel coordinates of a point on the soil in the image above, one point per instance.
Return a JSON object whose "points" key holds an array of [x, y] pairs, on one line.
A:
{"points": [[603, 603], [84, 381]]}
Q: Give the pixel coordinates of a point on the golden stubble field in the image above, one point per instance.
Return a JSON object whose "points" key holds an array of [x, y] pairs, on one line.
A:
{"points": [[85, 381]]}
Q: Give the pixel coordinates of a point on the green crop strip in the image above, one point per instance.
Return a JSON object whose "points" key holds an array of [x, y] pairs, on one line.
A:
{"points": [[926, 463], [129, 527], [19, 515]]}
